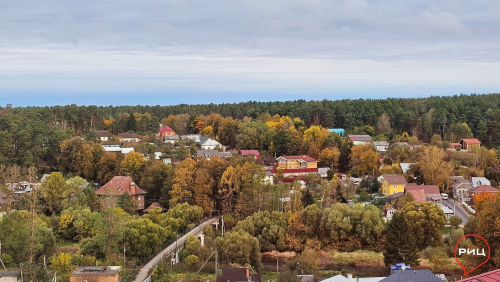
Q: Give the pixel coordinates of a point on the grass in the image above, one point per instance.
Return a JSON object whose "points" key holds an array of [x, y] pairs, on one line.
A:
{"points": [[446, 230], [357, 258], [268, 275]]}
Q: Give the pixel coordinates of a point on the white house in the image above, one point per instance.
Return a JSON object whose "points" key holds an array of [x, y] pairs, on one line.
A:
{"points": [[103, 134], [211, 144], [479, 181], [381, 146]]}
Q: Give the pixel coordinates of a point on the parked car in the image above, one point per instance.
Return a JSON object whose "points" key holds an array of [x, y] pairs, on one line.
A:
{"points": [[445, 196]]}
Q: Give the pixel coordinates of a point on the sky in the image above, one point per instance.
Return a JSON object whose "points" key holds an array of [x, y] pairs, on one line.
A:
{"points": [[149, 52]]}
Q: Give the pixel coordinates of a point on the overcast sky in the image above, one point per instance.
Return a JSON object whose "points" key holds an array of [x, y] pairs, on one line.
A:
{"points": [[169, 52]]}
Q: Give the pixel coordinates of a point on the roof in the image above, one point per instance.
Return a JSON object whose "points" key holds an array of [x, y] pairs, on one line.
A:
{"points": [[478, 181], [395, 195], [405, 167], [210, 142], [118, 185], [418, 195], [363, 138], [393, 179], [209, 153], [155, 205], [127, 135], [421, 275], [303, 157], [471, 141], [490, 276], [237, 274], [336, 130], [323, 171], [102, 133], [380, 143], [484, 188], [165, 128], [9, 273], [447, 210], [249, 152], [428, 189], [341, 278], [97, 270]]}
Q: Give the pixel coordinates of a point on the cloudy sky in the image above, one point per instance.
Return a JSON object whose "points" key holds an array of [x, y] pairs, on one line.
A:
{"points": [[168, 52]]}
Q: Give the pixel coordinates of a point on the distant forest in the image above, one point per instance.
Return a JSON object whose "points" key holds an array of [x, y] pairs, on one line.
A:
{"points": [[39, 130]]}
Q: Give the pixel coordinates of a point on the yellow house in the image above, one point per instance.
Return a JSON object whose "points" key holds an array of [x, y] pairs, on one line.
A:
{"points": [[392, 184], [297, 162]]}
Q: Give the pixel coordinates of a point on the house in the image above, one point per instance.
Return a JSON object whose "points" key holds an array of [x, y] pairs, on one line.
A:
{"points": [[323, 172], [349, 278], [269, 178], [238, 275], [128, 137], [118, 185], [392, 184], [410, 275], [194, 137], [447, 212], [20, 188], [339, 131], [478, 181], [460, 187], [431, 193], [171, 139], [9, 276], [405, 144], [418, 195], [207, 154], [455, 146], [103, 134], [482, 189], [381, 146], [360, 139], [96, 274], [296, 165], [468, 144], [155, 205], [211, 144], [118, 149], [165, 131], [394, 197], [389, 212], [244, 153], [405, 167], [490, 276]]}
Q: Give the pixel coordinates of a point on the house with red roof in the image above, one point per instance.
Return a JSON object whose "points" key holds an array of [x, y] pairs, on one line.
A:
{"points": [[468, 144], [244, 153], [424, 193], [490, 276], [117, 186], [482, 189], [165, 131]]}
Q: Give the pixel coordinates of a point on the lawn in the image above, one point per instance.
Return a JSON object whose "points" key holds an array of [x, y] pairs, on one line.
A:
{"points": [[357, 258]]}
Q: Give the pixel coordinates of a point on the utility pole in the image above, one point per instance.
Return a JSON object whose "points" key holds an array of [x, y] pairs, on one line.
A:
{"points": [[216, 262], [222, 228]]}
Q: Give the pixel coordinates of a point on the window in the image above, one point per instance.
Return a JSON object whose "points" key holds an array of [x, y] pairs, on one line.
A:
{"points": [[394, 186], [289, 167], [139, 198]]}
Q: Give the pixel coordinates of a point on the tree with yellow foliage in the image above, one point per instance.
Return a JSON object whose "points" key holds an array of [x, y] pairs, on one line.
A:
{"points": [[133, 164], [433, 166], [329, 157], [184, 181], [364, 159]]}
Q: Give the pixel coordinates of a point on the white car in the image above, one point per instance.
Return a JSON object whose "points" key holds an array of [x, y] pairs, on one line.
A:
{"points": [[445, 196]]}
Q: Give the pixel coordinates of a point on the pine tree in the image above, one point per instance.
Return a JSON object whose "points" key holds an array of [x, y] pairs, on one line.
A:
{"points": [[131, 123], [400, 245]]}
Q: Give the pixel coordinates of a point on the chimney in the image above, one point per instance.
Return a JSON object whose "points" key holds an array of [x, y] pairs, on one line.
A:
{"points": [[132, 188]]}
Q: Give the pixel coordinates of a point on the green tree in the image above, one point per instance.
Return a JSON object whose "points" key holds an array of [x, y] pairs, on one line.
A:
{"points": [[93, 136], [400, 245], [427, 221], [471, 226], [53, 190], [126, 203], [108, 167], [156, 181], [143, 238], [131, 124], [281, 142], [270, 228], [239, 247], [455, 221]]}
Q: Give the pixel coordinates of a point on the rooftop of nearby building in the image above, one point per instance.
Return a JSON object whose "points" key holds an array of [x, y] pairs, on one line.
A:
{"points": [[420, 275], [249, 152], [362, 138], [491, 276], [128, 135], [393, 179], [155, 205], [102, 133], [118, 185], [471, 141], [484, 188], [302, 157], [97, 270]]}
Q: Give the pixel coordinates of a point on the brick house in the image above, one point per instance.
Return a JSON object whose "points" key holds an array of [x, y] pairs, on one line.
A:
{"points": [[117, 186], [482, 189], [430, 193], [96, 274]]}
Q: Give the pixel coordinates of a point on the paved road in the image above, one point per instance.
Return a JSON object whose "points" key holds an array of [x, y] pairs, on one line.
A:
{"points": [[459, 211], [143, 273]]}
